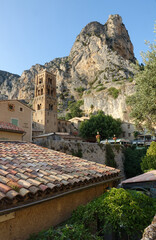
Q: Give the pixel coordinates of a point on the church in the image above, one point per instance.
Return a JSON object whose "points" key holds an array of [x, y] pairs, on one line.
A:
{"points": [[45, 106]]}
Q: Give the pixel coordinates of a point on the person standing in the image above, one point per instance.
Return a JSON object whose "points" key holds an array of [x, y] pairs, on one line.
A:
{"points": [[98, 137]]}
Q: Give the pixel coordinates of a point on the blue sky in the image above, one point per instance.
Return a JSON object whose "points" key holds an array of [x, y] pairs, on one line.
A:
{"points": [[37, 31]]}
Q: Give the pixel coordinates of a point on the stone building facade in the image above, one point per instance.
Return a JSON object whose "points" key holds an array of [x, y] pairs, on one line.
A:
{"points": [[45, 102], [19, 114]]}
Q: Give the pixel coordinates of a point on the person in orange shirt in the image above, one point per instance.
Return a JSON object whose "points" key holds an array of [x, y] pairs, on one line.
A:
{"points": [[98, 137]]}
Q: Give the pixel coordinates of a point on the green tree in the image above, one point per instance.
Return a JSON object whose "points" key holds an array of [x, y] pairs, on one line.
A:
{"points": [[149, 161], [106, 125], [132, 161], [143, 107]]}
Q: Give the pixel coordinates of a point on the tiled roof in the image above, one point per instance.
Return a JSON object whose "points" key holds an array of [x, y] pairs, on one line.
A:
{"points": [[145, 177], [10, 127], [29, 172]]}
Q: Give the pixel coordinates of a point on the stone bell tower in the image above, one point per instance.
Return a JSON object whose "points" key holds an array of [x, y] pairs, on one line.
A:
{"points": [[45, 102]]}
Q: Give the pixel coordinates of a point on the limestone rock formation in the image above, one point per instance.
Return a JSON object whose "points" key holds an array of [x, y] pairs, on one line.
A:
{"points": [[150, 231], [99, 69]]}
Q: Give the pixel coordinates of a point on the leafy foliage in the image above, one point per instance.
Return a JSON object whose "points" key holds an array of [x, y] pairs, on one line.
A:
{"points": [[110, 156], [132, 161], [119, 211], [149, 161], [143, 101], [67, 232], [113, 92], [106, 125], [75, 110], [123, 212]]}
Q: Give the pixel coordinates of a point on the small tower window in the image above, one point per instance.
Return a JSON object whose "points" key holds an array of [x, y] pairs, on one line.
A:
{"points": [[49, 80], [42, 91], [50, 107], [52, 92], [39, 92], [40, 80], [38, 106], [48, 91]]}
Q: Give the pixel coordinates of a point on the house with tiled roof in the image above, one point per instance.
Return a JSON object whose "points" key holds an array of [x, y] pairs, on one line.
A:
{"points": [[40, 187], [18, 113], [8, 131]]}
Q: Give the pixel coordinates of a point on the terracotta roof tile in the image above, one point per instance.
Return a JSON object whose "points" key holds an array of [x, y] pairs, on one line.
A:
{"points": [[12, 194], [4, 188], [3, 179], [10, 127], [24, 192], [28, 171]]}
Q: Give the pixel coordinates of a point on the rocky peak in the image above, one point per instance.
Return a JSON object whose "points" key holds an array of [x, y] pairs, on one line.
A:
{"points": [[118, 37], [99, 63], [112, 34], [113, 25], [92, 28]]}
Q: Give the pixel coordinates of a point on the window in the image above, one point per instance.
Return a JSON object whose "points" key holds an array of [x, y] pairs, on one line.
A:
{"points": [[49, 80], [50, 107], [47, 121], [38, 106], [128, 126], [123, 134], [14, 121], [40, 80], [129, 134], [21, 109], [42, 91]]}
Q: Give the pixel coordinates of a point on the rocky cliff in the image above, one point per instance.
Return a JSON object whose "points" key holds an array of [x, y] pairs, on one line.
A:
{"points": [[99, 70]]}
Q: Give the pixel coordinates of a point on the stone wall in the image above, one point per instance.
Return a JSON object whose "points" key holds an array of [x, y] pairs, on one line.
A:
{"points": [[90, 151]]}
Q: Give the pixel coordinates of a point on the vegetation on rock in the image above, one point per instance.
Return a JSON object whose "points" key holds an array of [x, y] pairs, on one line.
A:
{"points": [[113, 92], [75, 110]]}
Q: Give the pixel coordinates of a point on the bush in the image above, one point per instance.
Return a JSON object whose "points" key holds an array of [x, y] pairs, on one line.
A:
{"points": [[75, 110], [119, 211], [110, 156], [113, 92], [132, 161], [122, 212], [67, 232], [149, 161]]}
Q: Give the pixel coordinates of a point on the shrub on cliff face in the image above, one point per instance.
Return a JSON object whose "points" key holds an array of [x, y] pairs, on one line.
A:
{"points": [[113, 92], [75, 110]]}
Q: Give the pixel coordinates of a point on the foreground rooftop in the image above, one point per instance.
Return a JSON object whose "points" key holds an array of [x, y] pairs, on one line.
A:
{"points": [[29, 173]]}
